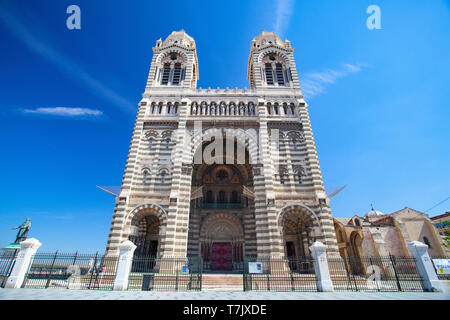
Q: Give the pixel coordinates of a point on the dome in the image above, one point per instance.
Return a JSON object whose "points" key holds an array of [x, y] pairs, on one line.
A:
{"points": [[374, 213], [266, 38], [179, 37]]}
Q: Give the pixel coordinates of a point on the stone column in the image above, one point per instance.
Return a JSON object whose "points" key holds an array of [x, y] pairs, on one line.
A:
{"points": [[126, 251], [318, 251], [23, 262], [424, 266]]}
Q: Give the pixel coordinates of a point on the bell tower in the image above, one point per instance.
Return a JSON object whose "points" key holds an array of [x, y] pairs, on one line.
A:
{"points": [[174, 64], [271, 63]]}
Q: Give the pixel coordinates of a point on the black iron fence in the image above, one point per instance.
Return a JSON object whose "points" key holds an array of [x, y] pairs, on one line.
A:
{"points": [[166, 274], [7, 260], [279, 274], [439, 267], [98, 272], [387, 273], [71, 271], [234, 267]]}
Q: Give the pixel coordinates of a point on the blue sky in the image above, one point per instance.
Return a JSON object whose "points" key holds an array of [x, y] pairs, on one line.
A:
{"points": [[378, 100]]}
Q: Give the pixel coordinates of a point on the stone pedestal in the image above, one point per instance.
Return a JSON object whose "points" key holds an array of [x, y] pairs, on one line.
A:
{"points": [[319, 253], [23, 261], [424, 266], [126, 251]]}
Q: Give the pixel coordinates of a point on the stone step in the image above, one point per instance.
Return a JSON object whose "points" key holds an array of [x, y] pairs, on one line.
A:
{"points": [[222, 282], [222, 288]]}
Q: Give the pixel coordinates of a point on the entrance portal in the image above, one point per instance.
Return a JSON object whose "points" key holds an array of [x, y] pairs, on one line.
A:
{"points": [[221, 256]]}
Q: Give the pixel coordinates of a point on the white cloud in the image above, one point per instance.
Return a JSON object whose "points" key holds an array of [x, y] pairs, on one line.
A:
{"points": [[314, 83], [49, 52], [65, 112], [285, 8]]}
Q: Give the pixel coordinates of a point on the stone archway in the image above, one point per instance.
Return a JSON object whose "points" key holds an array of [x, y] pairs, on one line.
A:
{"points": [[222, 239], [299, 228], [356, 263], [146, 226]]}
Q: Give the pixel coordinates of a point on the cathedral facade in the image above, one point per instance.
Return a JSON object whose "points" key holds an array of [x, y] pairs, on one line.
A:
{"points": [[222, 173]]}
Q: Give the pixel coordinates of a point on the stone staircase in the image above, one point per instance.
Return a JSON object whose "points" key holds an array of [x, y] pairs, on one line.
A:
{"points": [[222, 282]]}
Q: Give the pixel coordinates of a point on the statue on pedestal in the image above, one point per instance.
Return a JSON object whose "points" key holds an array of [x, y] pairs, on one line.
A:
{"points": [[24, 228]]}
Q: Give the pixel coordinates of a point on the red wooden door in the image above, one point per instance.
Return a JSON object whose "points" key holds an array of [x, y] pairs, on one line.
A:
{"points": [[221, 256]]}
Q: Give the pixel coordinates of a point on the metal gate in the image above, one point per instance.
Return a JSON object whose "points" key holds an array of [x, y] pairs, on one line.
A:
{"points": [[7, 260], [386, 273], [72, 271], [278, 274], [166, 274]]}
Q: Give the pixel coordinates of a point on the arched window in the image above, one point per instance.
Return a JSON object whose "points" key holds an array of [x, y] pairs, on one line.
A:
{"points": [[167, 143], [299, 173], [357, 223], [283, 175], [222, 108], [280, 74], [213, 108], [275, 70], [163, 174], [176, 74], [172, 72], [275, 108], [234, 197], [222, 198], [294, 143], [209, 197], [204, 108], [232, 109], [165, 74], [269, 74], [150, 143], [145, 174], [251, 107]]}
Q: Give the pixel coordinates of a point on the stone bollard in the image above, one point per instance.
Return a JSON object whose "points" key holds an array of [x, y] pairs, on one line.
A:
{"points": [[124, 266], [424, 265], [318, 252], [23, 261]]}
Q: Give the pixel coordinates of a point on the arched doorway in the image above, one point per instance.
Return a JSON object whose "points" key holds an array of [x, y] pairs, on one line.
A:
{"points": [[146, 225], [145, 235], [222, 239], [222, 211], [299, 230]]}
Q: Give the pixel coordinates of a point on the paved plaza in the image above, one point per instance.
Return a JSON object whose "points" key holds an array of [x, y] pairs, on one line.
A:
{"points": [[65, 294]]}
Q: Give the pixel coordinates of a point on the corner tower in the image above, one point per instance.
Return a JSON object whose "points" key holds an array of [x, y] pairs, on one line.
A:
{"points": [[271, 63], [174, 64]]}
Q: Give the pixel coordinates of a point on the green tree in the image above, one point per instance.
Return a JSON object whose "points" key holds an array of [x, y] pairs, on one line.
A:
{"points": [[446, 242]]}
